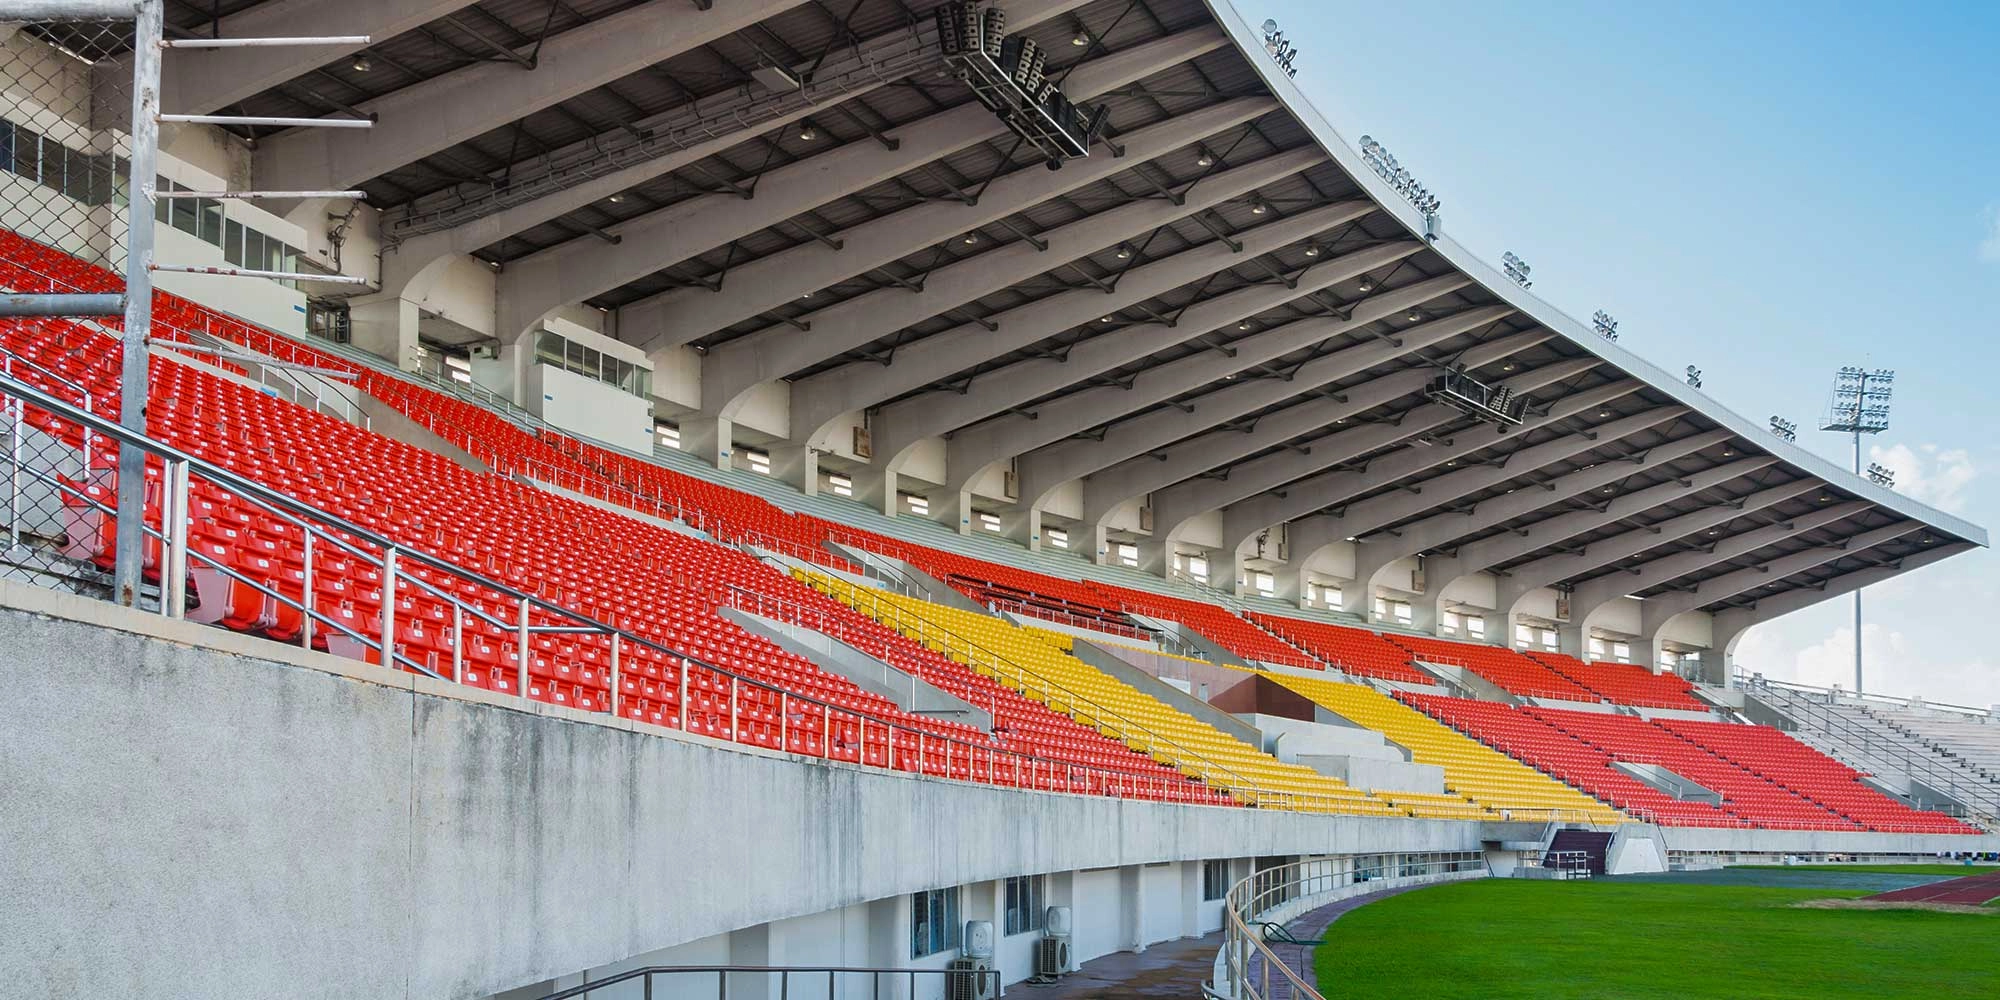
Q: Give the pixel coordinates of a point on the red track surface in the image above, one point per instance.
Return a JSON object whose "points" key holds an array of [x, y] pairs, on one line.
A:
{"points": [[1973, 890]]}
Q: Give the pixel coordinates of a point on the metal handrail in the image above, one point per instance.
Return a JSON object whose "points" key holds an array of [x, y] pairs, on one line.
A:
{"points": [[534, 617], [1247, 961]]}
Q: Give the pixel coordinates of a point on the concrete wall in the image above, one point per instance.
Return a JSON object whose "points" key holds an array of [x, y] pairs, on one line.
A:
{"points": [[187, 812]]}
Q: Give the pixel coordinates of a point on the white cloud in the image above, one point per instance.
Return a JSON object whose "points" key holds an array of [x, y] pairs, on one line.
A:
{"points": [[1891, 664], [1989, 248], [1940, 477]]}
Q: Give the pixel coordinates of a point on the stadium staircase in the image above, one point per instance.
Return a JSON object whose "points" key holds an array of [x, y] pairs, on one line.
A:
{"points": [[1594, 845]]}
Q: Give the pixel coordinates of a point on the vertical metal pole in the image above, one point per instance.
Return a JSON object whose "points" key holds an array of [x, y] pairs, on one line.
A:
{"points": [[130, 554], [14, 474], [306, 595], [521, 652], [457, 643], [389, 608], [174, 555], [1857, 590], [614, 674]]}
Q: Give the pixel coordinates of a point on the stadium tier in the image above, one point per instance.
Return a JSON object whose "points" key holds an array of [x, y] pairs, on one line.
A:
{"points": [[1513, 672], [673, 587], [1037, 662], [1498, 784], [1624, 683], [1352, 650]]}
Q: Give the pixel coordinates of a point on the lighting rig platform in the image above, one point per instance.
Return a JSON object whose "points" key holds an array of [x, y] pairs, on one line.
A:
{"points": [[1499, 405], [1009, 75]]}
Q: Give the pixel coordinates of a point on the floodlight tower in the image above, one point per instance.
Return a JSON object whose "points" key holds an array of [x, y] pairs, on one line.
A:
{"points": [[1860, 405]]}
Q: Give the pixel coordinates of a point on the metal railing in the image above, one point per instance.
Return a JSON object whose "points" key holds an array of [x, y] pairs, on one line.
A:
{"points": [[1275, 896], [790, 982], [406, 576]]}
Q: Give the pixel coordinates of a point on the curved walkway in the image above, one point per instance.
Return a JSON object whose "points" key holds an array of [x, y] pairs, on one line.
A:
{"points": [[1310, 927]]}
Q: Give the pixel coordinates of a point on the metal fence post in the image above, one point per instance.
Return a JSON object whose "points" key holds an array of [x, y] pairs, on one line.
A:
{"points": [[129, 558], [613, 701], [389, 608]]}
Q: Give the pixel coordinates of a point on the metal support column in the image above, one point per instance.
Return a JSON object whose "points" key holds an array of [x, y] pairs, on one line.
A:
{"points": [[130, 555]]}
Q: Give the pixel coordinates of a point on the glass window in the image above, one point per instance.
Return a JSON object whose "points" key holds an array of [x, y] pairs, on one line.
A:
{"points": [[666, 434], [840, 485], [760, 462], [162, 207], [1264, 583], [933, 922], [1214, 880], [989, 521], [1403, 612], [209, 221], [121, 181], [1128, 553], [1058, 537], [917, 504], [232, 242], [103, 180], [253, 249], [181, 214], [28, 153], [1024, 904], [1475, 625], [1449, 624], [6, 144], [76, 175]]}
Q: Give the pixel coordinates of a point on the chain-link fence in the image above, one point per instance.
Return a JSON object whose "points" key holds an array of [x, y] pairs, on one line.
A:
{"points": [[65, 103], [58, 497]]}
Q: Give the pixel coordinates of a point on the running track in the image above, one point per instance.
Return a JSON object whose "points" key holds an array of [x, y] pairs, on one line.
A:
{"points": [[1971, 891]]}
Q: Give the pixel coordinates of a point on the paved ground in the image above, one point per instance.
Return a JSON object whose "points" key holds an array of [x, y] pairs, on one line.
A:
{"points": [[1175, 970], [1974, 890]]}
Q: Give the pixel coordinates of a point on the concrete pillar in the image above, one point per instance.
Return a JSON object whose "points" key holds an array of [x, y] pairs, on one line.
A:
{"points": [[1572, 640], [876, 487], [1023, 524], [1132, 894], [797, 465], [1155, 555], [708, 438], [953, 509], [387, 327], [1100, 544]]}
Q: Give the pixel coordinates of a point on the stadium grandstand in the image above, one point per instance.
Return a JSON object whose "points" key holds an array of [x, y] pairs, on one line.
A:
{"points": [[797, 498]]}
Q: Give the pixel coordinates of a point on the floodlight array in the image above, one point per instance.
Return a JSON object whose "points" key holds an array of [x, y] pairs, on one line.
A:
{"points": [[1380, 160]]}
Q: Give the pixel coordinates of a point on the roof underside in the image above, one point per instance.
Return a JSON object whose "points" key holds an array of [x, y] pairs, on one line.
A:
{"points": [[1318, 472]]}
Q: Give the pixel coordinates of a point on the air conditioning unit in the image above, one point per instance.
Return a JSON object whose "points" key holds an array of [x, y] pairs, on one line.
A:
{"points": [[864, 443], [1052, 957], [970, 979], [978, 940]]}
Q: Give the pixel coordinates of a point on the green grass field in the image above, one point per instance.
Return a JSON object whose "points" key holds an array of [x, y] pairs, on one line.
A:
{"points": [[1502, 939]]}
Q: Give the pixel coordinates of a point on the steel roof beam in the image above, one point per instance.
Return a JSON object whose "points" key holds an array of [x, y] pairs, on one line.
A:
{"points": [[1372, 513], [1729, 625], [731, 370], [1656, 612], [1124, 463], [821, 398], [1621, 580], [1009, 434], [1442, 529], [1175, 505], [203, 81], [1367, 519], [1322, 482], [1559, 566], [465, 103], [573, 273], [661, 239], [410, 256]]}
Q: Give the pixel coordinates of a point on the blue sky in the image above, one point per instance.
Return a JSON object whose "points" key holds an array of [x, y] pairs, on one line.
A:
{"points": [[1767, 191]]}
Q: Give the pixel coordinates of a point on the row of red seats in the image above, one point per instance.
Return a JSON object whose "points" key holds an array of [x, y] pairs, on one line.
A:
{"points": [[1356, 651], [1567, 759], [1630, 738], [1777, 757], [1514, 673], [1624, 683]]}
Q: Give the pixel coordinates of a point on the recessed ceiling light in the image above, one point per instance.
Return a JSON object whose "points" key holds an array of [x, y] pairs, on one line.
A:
{"points": [[1259, 209], [615, 199], [1124, 253], [1205, 160], [1508, 367], [971, 238], [807, 132], [1104, 319], [1079, 40], [1313, 250], [1367, 285], [361, 64], [1415, 315]]}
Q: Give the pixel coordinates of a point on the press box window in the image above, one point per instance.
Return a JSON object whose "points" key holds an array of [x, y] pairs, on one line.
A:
{"points": [[934, 923]]}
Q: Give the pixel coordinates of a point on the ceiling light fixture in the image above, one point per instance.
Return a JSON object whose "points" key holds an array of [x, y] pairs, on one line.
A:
{"points": [[807, 132], [361, 64]]}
